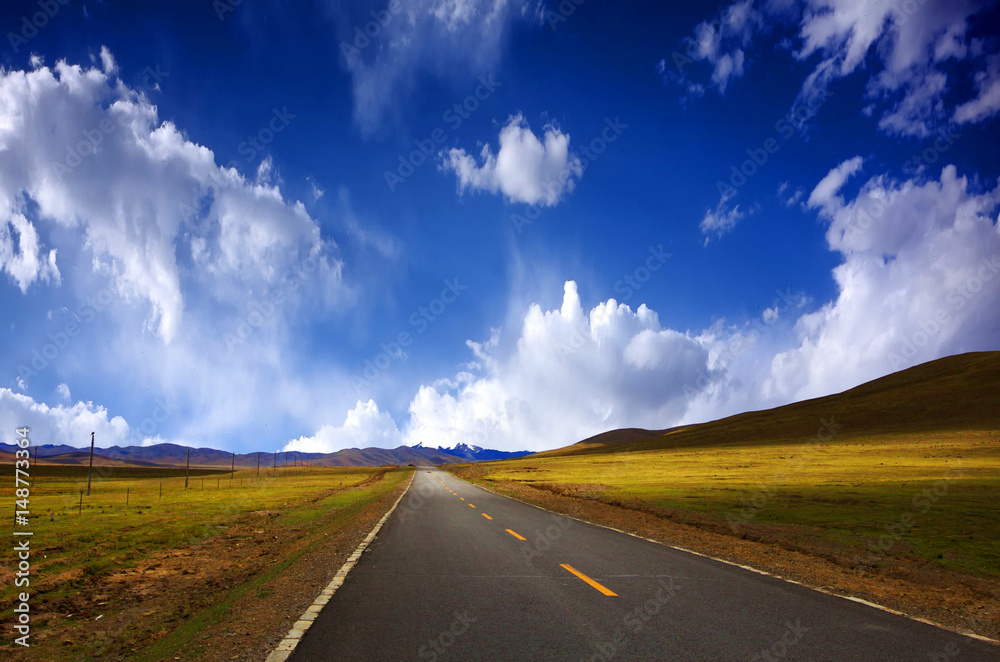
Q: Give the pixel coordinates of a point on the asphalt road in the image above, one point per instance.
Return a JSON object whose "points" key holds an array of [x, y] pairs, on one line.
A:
{"points": [[459, 573]]}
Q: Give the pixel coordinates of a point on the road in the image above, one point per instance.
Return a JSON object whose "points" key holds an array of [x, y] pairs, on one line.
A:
{"points": [[460, 573]]}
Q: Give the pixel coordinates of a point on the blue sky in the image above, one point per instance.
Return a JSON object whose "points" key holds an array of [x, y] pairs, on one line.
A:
{"points": [[503, 223]]}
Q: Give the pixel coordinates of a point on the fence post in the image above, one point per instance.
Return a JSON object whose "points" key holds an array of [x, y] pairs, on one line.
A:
{"points": [[90, 470], [127, 490], [80, 512]]}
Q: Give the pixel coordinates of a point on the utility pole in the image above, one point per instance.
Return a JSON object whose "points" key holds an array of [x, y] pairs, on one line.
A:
{"points": [[232, 469], [258, 464], [90, 470], [187, 469], [274, 469]]}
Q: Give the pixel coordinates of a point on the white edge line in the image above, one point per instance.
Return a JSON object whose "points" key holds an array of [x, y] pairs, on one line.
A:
{"points": [[971, 635], [284, 649]]}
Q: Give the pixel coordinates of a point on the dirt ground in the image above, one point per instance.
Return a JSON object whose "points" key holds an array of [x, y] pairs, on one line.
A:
{"points": [[958, 602]]}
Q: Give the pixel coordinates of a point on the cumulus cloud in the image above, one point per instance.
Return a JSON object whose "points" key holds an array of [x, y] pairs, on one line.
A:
{"points": [[365, 426], [84, 151], [567, 375], [388, 47], [920, 279], [525, 169], [60, 424], [63, 391]]}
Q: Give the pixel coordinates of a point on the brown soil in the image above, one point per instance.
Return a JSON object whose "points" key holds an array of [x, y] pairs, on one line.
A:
{"points": [[959, 602], [115, 616]]}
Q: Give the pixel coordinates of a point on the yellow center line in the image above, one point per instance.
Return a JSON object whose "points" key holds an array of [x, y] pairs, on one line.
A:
{"points": [[471, 506], [587, 579], [487, 516], [462, 498], [516, 534]]}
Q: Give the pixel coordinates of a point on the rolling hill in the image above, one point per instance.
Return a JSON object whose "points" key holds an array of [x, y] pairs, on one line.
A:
{"points": [[960, 392]]}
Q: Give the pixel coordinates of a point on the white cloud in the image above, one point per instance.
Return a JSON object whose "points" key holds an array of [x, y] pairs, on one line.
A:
{"points": [[365, 426], [450, 40], [63, 391], [721, 220], [568, 374], [525, 169], [60, 424], [824, 195], [92, 155], [721, 44], [908, 47], [919, 280], [987, 103], [21, 255]]}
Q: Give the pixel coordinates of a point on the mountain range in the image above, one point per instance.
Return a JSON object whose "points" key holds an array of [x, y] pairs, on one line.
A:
{"points": [[176, 455]]}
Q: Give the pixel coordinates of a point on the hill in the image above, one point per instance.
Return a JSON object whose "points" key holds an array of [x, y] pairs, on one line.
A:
{"points": [[960, 392]]}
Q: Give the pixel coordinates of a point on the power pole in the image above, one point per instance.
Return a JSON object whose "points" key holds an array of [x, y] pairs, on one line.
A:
{"points": [[90, 470], [274, 469], [187, 469], [232, 469], [258, 464]]}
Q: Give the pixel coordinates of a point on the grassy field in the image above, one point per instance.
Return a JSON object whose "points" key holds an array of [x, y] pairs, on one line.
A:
{"points": [[143, 545], [933, 496]]}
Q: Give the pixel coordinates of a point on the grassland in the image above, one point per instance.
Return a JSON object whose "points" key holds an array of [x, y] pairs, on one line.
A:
{"points": [[148, 569], [890, 491], [932, 496]]}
